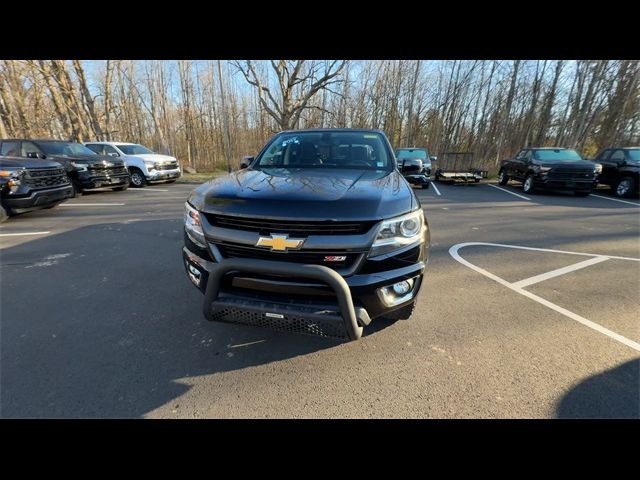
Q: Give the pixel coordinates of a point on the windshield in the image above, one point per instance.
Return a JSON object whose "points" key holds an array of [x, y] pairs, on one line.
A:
{"points": [[360, 150], [133, 149], [634, 154], [556, 154], [65, 149], [412, 153]]}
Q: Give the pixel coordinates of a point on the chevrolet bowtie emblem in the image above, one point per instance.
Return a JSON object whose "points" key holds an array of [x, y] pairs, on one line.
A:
{"points": [[280, 243]]}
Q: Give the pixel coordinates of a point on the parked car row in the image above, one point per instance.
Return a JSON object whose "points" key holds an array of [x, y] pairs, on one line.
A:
{"points": [[564, 169], [36, 174]]}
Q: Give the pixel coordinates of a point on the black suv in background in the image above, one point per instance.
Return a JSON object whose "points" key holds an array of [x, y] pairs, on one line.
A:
{"points": [[27, 185], [550, 168], [318, 234], [620, 170], [86, 170], [415, 165]]}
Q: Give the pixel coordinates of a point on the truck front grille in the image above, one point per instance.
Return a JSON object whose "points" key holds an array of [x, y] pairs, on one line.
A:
{"points": [[295, 256], [167, 166], [45, 178], [294, 228], [97, 171]]}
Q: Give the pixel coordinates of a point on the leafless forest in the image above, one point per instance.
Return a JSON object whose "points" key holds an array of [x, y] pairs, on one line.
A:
{"points": [[208, 112]]}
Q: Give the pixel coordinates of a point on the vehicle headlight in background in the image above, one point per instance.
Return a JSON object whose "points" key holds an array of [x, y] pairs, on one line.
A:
{"points": [[193, 226], [81, 167], [398, 232], [598, 168]]}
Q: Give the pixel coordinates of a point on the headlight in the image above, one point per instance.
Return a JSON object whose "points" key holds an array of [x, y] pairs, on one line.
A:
{"points": [[150, 165], [540, 169], [598, 168], [81, 167], [13, 173], [193, 226], [398, 232]]}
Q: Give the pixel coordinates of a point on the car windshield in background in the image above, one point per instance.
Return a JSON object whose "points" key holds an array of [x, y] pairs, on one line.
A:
{"points": [[134, 149], [411, 153], [634, 154], [360, 150], [65, 149], [557, 154]]}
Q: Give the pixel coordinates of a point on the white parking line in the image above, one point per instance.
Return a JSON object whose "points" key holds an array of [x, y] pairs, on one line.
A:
{"points": [[435, 188], [91, 204], [616, 200], [453, 251], [26, 233], [147, 190], [560, 271], [508, 191]]}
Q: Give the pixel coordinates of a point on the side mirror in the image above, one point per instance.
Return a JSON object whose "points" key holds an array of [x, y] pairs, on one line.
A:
{"points": [[433, 158], [246, 161], [411, 165], [34, 155]]}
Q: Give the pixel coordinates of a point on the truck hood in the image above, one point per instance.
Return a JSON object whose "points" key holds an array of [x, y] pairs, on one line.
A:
{"points": [[155, 157], [89, 160], [568, 164], [306, 194], [10, 162]]}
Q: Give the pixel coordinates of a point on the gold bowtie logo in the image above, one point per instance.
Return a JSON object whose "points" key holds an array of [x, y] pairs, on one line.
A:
{"points": [[280, 243]]}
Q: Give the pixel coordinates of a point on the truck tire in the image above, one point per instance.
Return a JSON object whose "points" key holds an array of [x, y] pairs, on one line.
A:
{"points": [[527, 185], [4, 214], [624, 187], [76, 190], [403, 313], [137, 178], [503, 178]]}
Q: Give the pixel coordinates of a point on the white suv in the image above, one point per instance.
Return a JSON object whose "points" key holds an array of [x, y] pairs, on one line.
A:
{"points": [[143, 164]]}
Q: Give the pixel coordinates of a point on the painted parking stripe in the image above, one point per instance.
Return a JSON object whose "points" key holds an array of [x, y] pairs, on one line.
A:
{"points": [[435, 188], [143, 190], [509, 191], [560, 271], [25, 233], [616, 200], [453, 251], [91, 204]]}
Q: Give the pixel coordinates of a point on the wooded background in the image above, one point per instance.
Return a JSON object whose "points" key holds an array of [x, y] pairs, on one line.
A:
{"points": [[209, 112]]}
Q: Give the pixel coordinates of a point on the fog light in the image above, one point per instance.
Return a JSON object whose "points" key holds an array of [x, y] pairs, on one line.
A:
{"points": [[402, 287], [194, 274]]}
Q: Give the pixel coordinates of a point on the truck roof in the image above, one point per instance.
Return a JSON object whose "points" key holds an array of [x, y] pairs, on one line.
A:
{"points": [[319, 130]]}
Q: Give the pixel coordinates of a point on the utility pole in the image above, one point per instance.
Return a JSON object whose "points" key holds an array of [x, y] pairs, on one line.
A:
{"points": [[225, 119]]}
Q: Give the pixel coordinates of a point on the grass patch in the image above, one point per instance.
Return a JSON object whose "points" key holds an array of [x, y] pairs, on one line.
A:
{"points": [[200, 177]]}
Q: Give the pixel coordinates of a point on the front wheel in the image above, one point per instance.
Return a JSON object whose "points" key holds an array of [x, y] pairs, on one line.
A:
{"points": [[625, 187], [503, 178], [76, 190], [4, 214], [527, 186], [137, 178]]}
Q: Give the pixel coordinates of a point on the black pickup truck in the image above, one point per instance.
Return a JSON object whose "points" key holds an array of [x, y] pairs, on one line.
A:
{"points": [[319, 234], [86, 169], [550, 168], [620, 170], [27, 185]]}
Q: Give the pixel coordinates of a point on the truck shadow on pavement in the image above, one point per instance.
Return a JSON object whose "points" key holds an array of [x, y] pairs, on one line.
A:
{"points": [[101, 322], [614, 393]]}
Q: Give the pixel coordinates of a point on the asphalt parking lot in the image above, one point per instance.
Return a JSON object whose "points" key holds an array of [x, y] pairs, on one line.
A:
{"points": [[99, 319]]}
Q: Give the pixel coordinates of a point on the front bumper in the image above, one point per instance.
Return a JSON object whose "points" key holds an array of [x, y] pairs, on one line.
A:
{"points": [[162, 175], [418, 179], [311, 299], [90, 183], [37, 199], [565, 184]]}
